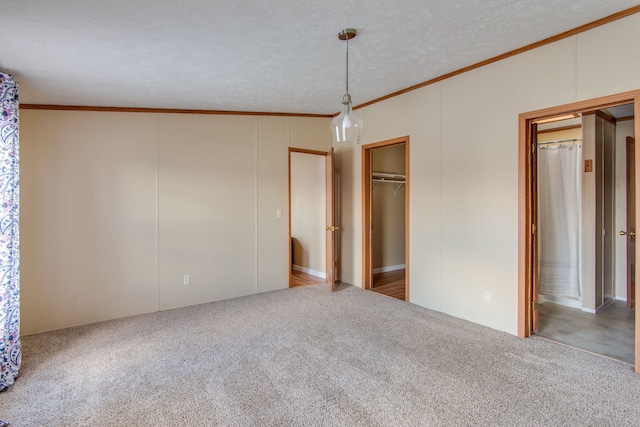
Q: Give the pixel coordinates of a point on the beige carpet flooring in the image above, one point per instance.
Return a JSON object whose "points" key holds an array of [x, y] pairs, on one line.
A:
{"points": [[307, 356]]}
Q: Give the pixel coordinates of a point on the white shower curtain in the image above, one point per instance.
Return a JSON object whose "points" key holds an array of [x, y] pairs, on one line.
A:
{"points": [[560, 220]]}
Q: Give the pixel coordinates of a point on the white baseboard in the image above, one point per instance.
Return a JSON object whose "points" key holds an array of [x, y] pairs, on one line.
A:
{"points": [[605, 305], [567, 302], [389, 268], [319, 274], [621, 299]]}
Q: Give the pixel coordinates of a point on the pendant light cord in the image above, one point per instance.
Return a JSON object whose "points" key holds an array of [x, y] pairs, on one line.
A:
{"points": [[347, 62]]}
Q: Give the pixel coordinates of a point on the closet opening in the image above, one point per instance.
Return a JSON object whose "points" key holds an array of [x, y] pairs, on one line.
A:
{"points": [[386, 217]]}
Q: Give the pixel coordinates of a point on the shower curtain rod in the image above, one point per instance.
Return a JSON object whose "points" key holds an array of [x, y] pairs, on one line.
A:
{"points": [[558, 141]]}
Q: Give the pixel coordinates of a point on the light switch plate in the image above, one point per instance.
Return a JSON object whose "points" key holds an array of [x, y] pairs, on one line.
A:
{"points": [[588, 165]]}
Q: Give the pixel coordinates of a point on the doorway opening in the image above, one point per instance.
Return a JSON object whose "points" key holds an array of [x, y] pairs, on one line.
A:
{"points": [[577, 277], [307, 217], [386, 217]]}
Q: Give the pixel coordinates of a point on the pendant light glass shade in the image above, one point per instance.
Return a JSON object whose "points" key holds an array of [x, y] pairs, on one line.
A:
{"points": [[346, 127]]}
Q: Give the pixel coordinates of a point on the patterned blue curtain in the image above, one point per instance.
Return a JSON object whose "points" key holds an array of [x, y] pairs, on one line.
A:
{"points": [[10, 354]]}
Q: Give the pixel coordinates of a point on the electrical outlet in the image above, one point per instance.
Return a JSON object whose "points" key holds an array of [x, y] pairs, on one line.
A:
{"points": [[186, 279], [487, 296]]}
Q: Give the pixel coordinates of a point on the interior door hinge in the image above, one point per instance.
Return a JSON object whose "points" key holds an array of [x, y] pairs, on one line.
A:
{"points": [[533, 229], [534, 306], [533, 148]]}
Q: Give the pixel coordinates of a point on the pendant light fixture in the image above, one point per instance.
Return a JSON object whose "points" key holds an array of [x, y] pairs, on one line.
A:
{"points": [[347, 126]]}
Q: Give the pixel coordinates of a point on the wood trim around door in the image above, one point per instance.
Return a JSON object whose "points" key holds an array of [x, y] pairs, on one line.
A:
{"points": [[526, 207], [367, 213]]}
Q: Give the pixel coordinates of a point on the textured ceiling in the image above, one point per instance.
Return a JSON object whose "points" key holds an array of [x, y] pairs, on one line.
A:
{"points": [[261, 55]]}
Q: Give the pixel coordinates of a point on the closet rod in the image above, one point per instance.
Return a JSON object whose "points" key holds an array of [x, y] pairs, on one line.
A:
{"points": [[388, 175], [558, 141]]}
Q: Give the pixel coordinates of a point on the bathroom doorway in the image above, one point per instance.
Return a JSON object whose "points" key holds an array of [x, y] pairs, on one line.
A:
{"points": [[602, 268], [582, 201]]}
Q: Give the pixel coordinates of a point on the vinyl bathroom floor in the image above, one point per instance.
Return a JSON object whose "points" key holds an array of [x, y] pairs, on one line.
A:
{"points": [[610, 332]]}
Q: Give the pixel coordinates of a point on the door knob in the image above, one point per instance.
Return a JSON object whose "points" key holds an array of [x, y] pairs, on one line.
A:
{"points": [[630, 234], [331, 228]]}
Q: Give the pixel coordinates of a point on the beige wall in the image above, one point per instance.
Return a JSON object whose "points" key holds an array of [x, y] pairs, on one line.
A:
{"points": [[308, 212], [118, 207], [575, 133], [589, 214], [388, 237], [464, 166], [89, 228]]}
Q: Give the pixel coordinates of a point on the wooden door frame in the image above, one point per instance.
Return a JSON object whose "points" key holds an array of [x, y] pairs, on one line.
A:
{"points": [[367, 268], [302, 151], [525, 198], [330, 219]]}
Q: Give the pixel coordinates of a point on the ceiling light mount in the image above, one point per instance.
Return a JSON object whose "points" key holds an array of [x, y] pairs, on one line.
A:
{"points": [[347, 34], [346, 127]]}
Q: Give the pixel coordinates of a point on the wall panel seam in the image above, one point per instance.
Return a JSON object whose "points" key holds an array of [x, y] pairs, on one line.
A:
{"points": [[158, 211], [256, 211]]}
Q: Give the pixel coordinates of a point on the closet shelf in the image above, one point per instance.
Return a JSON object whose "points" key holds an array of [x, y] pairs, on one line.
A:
{"points": [[389, 177]]}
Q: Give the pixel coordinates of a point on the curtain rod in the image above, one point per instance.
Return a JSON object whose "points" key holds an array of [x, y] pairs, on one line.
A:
{"points": [[558, 141]]}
